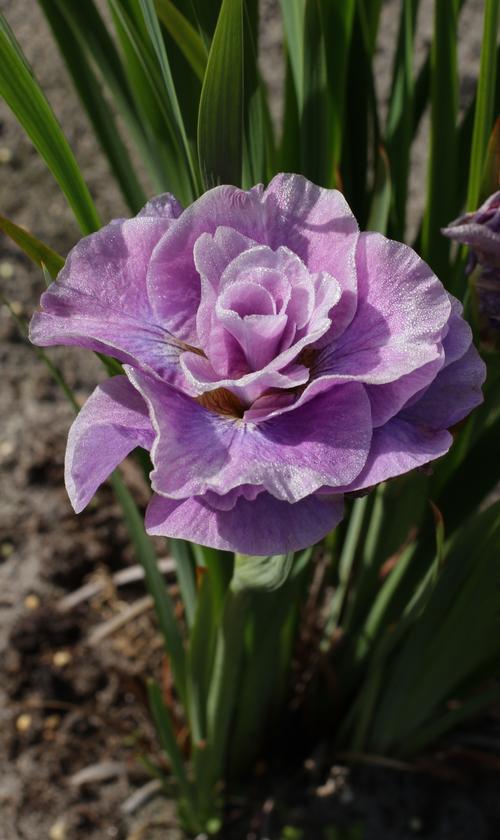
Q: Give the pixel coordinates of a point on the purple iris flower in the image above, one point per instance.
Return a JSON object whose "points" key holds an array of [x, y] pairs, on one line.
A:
{"points": [[275, 359], [480, 230]]}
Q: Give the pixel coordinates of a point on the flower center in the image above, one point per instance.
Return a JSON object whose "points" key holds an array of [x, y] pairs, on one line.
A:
{"points": [[222, 401]]}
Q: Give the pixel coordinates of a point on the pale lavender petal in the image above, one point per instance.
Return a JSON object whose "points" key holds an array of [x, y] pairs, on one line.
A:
{"points": [[212, 254], [201, 377], [197, 450], [401, 317], [318, 226], [258, 336], [265, 526], [459, 336], [387, 400], [455, 391], [173, 280], [397, 448], [100, 299], [165, 205], [112, 423], [227, 501], [261, 282]]}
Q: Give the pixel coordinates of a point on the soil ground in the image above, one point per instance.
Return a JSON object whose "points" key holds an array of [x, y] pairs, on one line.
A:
{"points": [[67, 703]]}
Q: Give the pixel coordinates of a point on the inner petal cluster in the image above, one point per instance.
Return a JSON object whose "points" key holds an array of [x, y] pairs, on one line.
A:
{"points": [[259, 309]]}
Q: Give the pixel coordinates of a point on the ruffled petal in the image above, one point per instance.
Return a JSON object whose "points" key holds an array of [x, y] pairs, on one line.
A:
{"points": [[112, 423], [317, 225], [279, 373], [387, 400], [397, 448], [173, 280], [455, 391], [197, 450], [100, 299], [265, 526]]}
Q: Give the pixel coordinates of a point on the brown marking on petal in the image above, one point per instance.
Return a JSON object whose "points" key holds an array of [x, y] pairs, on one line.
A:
{"points": [[308, 357], [221, 401], [188, 348]]}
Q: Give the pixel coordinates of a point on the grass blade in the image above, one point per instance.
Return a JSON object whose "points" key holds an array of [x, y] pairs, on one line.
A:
{"points": [[155, 583], [97, 108], [90, 31], [399, 129], [316, 114], [25, 98], [186, 576], [491, 172], [166, 734], [483, 117], [221, 112], [382, 191], [165, 157], [293, 14], [441, 203], [41, 254], [224, 683], [338, 21], [154, 31], [185, 36]]}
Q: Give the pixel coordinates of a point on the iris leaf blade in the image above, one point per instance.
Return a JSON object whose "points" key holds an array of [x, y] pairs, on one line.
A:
{"points": [[221, 112], [37, 251], [293, 14], [185, 35], [177, 121], [98, 110], [441, 199], [25, 98], [484, 110]]}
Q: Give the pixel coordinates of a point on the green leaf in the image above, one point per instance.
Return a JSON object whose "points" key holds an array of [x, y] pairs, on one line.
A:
{"points": [[454, 503], [381, 200], [205, 14], [185, 36], [450, 718], [166, 735], [289, 150], [24, 97], [95, 40], [293, 13], [441, 200], [369, 14], [224, 684], [176, 119], [221, 113], [258, 139], [399, 129], [266, 668], [186, 576], [455, 634], [338, 21], [41, 254], [200, 659], [491, 173], [361, 129], [483, 117], [98, 109], [164, 607], [347, 556], [166, 157], [316, 115]]}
